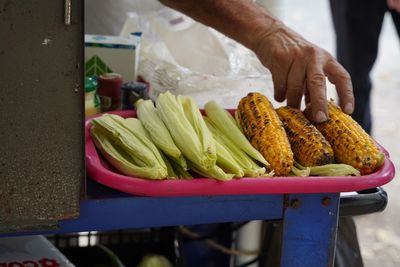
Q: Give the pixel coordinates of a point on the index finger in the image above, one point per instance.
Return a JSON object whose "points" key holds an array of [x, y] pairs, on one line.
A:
{"points": [[341, 79], [316, 85]]}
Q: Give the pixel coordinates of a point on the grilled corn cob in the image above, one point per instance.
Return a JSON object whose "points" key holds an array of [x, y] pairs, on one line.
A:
{"points": [[309, 146], [351, 144], [263, 128]]}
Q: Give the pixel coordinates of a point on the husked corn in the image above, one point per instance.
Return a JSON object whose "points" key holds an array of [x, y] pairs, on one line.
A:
{"points": [[309, 146], [350, 143], [262, 126]]}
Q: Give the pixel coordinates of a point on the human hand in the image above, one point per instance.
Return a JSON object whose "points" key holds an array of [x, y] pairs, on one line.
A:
{"points": [[299, 68], [394, 4]]}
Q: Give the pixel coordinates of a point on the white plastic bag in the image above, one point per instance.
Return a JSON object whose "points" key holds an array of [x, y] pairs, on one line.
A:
{"points": [[186, 57]]}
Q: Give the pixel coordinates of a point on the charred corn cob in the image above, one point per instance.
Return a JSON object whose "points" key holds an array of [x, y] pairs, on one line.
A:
{"points": [[263, 128], [351, 144], [309, 146]]}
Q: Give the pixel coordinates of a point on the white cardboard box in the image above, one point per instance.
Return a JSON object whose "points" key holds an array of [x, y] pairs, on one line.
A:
{"points": [[112, 54]]}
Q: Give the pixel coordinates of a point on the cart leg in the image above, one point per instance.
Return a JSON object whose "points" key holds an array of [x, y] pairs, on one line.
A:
{"points": [[309, 230]]}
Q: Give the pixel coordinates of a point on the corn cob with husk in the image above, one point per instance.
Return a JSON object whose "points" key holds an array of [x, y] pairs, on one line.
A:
{"points": [[158, 132], [263, 128], [309, 146], [123, 161], [132, 140], [189, 132], [194, 147], [350, 143], [195, 118]]}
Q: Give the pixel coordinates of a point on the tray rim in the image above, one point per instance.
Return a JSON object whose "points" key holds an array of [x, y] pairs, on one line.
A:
{"points": [[240, 186]]}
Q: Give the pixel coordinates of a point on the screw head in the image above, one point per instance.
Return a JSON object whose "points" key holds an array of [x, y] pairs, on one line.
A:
{"points": [[326, 201], [295, 203]]}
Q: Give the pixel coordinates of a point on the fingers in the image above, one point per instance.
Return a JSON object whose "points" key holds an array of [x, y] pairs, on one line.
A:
{"points": [[279, 77], [299, 67], [295, 84], [279, 87], [341, 79], [316, 85], [394, 4]]}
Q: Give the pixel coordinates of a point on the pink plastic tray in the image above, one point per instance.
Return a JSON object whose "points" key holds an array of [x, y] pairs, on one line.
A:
{"points": [[99, 170]]}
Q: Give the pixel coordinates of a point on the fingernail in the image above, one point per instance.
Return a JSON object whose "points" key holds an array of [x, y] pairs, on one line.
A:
{"points": [[320, 117], [348, 108]]}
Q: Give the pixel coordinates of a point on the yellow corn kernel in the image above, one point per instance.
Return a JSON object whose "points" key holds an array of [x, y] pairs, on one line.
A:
{"points": [[351, 144], [309, 146]]}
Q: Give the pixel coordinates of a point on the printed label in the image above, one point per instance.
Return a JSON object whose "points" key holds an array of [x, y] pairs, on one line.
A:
{"points": [[43, 262]]}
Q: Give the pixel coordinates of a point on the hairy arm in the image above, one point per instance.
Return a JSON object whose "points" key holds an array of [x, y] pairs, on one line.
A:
{"points": [[298, 67], [243, 21]]}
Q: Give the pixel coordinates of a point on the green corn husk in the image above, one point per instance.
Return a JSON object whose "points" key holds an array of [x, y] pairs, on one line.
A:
{"points": [[180, 172], [213, 172], [121, 160], [227, 162], [195, 118], [135, 127], [246, 164], [303, 171], [136, 124], [171, 172], [228, 126], [334, 170], [153, 260], [182, 132], [126, 140], [331, 170], [158, 132]]}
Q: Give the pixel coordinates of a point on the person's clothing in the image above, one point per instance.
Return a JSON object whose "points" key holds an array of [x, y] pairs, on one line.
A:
{"points": [[348, 252], [358, 25]]}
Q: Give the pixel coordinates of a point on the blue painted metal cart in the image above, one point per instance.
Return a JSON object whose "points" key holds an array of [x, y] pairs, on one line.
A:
{"points": [[309, 219], [308, 208]]}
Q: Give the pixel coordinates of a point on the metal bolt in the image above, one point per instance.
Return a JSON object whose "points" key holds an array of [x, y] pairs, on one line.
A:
{"points": [[295, 203], [326, 201]]}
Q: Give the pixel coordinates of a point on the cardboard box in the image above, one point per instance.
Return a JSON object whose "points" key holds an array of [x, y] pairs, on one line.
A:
{"points": [[104, 54], [30, 251]]}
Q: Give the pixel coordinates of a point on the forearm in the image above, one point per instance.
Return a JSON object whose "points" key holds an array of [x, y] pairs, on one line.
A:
{"points": [[242, 20], [298, 67]]}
